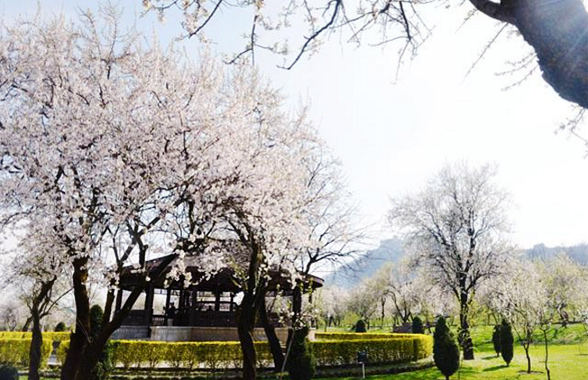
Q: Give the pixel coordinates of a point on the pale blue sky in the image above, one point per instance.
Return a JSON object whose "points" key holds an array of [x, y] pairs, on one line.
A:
{"points": [[391, 137]]}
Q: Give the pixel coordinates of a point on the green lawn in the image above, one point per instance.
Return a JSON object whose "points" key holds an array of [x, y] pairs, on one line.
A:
{"points": [[568, 360]]}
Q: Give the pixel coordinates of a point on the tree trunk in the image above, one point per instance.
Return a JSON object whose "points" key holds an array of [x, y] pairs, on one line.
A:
{"points": [[383, 314], [296, 312], [528, 359], [465, 339], [296, 305], [245, 323], [254, 294], [272, 338], [27, 324], [37, 336], [79, 338], [527, 347], [84, 353], [36, 344], [546, 355]]}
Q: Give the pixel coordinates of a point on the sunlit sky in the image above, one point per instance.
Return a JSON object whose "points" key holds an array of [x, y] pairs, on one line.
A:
{"points": [[392, 135]]}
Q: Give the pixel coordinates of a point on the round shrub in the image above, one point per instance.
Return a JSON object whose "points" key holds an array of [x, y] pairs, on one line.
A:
{"points": [[445, 349], [506, 342], [360, 326], [417, 326], [96, 314], [104, 367], [60, 327], [8, 372]]}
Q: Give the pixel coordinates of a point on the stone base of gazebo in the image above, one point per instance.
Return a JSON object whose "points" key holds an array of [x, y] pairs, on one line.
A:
{"points": [[207, 334], [196, 334]]}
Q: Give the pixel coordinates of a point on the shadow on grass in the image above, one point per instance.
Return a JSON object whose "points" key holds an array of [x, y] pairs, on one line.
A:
{"points": [[490, 357], [495, 368], [466, 371]]}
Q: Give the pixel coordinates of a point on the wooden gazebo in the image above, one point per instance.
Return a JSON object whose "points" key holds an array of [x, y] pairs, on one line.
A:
{"points": [[208, 303]]}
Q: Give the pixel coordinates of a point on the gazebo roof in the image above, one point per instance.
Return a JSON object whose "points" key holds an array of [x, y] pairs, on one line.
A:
{"points": [[224, 280]]}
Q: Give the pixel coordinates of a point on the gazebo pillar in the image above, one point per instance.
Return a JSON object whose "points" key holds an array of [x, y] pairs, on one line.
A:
{"points": [[192, 315], [217, 295], [167, 302], [149, 292], [118, 304]]}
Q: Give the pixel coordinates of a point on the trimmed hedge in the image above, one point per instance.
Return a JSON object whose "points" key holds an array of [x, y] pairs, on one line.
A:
{"points": [[152, 354], [381, 348], [16, 351], [390, 350], [48, 335], [356, 336]]}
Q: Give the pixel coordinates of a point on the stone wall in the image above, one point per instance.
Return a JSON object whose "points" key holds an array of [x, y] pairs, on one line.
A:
{"points": [[204, 334]]}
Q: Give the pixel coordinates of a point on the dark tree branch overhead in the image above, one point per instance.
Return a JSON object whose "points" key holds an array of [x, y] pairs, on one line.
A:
{"points": [[494, 10], [556, 30]]}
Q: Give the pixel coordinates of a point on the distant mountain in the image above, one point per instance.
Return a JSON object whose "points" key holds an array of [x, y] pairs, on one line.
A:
{"points": [[578, 253], [390, 250]]}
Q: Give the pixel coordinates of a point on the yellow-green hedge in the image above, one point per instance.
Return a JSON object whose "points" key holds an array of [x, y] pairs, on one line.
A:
{"points": [[356, 336], [49, 335], [384, 349], [387, 348], [151, 354], [16, 351]]}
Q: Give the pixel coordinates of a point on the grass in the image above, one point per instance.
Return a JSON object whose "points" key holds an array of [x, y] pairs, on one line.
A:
{"points": [[568, 360]]}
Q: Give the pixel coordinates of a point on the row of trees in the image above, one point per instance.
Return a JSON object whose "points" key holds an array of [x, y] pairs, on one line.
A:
{"points": [[533, 296], [459, 254], [114, 152]]}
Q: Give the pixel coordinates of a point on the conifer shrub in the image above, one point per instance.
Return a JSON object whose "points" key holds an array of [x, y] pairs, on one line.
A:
{"points": [[496, 340], [417, 326], [104, 367], [301, 363], [445, 349], [506, 342], [60, 327], [360, 326], [8, 372]]}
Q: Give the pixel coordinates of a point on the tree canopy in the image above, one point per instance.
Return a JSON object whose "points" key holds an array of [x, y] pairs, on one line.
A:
{"points": [[114, 152]]}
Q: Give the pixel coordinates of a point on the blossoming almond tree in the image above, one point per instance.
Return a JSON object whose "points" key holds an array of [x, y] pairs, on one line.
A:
{"points": [[533, 295], [456, 226], [120, 152], [519, 296]]}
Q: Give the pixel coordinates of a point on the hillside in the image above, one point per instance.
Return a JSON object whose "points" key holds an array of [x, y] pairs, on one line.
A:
{"points": [[392, 250]]}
